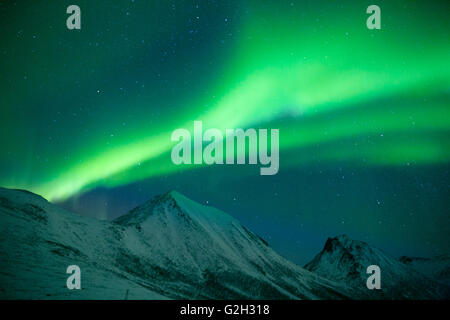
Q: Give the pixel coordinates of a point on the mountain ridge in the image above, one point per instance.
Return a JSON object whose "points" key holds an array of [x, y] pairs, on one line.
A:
{"points": [[169, 247], [345, 260]]}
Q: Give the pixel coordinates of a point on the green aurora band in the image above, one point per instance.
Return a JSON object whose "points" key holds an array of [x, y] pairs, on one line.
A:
{"points": [[335, 90]]}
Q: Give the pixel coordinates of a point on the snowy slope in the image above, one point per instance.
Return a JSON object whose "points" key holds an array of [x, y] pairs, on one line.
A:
{"points": [[38, 241], [436, 267], [345, 260], [170, 247]]}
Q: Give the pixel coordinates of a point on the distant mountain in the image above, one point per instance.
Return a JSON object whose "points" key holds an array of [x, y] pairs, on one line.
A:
{"points": [[436, 267], [345, 261], [170, 247]]}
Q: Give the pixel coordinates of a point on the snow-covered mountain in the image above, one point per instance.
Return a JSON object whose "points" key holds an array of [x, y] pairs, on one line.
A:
{"points": [[436, 267], [170, 247], [39, 240], [345, 261], [174, 248]]}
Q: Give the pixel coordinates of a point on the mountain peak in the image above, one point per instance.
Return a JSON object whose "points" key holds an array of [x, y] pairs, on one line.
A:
{"points": [[344, 242], [343, 256], [175, 196], [142, 212], [174, 193], [345, 260], [173, 206]]}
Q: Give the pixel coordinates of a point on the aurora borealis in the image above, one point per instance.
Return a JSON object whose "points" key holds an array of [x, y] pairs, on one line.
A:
{"points": [[88, 114]]}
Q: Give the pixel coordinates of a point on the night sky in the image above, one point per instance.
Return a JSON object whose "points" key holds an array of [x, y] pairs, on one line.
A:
{"points": [[364, 115]]}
